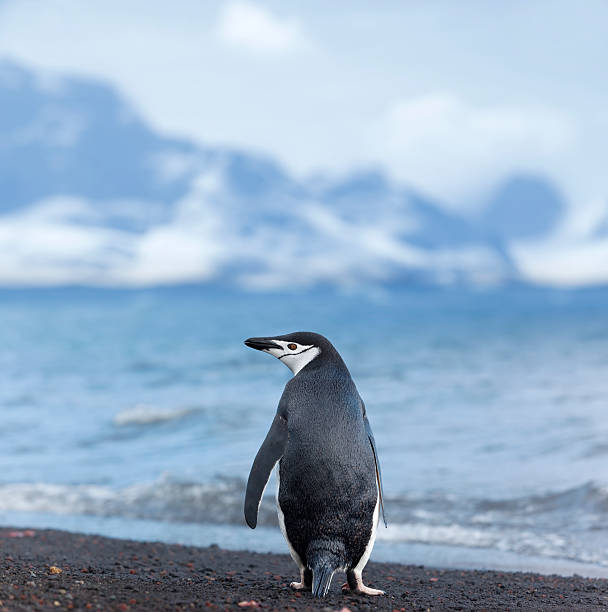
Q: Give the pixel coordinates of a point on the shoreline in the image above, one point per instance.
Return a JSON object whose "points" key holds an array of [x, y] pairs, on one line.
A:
{"points": [[269, 539], [100, 573]]}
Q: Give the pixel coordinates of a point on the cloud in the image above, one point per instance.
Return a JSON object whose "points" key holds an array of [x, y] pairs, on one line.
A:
{"points": [[556, 264], [252, 28], [43, 246], [445, 146], [186, 249], [63, 240], [575, 255]]}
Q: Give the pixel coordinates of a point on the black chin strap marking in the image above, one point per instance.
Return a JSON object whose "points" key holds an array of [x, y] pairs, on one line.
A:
{"points": [[292, 354]]}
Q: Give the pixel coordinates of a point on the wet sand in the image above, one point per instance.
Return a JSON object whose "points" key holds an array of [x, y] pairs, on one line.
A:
{"points": [[55, 570]]}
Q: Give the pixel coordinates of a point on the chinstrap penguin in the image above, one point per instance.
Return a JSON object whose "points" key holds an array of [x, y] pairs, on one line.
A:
{"points": [[330, 487]]}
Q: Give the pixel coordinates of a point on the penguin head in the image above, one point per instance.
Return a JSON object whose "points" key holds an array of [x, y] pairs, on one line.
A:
{"points": [[295, 350]]}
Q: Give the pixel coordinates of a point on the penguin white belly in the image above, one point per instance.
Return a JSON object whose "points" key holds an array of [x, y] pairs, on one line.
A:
{"points": [[292, 551], [372, 538]]}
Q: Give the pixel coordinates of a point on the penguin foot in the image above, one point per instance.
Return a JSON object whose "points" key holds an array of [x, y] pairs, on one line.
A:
{"points": [[305, 583], [355, 585], [300, 586], [361, 590]]}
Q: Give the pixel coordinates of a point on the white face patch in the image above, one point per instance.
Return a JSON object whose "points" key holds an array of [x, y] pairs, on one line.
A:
{"points": [[294, 355]]}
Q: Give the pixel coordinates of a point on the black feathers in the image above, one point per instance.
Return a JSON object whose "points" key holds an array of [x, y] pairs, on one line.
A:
{"points": [[270, 452], [330, 483], [324, 558]]}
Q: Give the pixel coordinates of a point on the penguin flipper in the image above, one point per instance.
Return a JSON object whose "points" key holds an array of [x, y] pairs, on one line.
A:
{"points": [[270, 452], [370, 436]]}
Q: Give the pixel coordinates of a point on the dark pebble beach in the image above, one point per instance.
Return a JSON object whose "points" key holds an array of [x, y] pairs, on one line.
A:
{"points": [[55, 570]]}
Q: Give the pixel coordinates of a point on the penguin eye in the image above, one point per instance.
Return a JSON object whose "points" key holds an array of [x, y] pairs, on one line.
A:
{"points": [[292, 346]]}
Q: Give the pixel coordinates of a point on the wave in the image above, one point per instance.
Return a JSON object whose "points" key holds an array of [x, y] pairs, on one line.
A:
{"points": [[530, 542], [165, 499], [143, 414], [538, 525]]}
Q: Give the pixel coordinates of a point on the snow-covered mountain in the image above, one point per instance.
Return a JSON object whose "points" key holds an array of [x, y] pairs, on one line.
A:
{"points": [[90, 194]]}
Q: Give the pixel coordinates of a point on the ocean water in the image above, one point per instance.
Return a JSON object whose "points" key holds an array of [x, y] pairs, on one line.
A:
{"points": [[138, 414]]}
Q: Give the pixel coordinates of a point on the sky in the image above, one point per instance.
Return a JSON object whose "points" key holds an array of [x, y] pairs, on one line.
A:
{"points": [[446, 97]]}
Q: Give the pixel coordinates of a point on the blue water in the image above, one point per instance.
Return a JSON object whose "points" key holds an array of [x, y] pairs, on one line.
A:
{"points": [[139, 413]]}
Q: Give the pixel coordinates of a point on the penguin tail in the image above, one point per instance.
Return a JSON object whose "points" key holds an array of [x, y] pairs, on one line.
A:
{"points": [[324, 558], [321, 579]]}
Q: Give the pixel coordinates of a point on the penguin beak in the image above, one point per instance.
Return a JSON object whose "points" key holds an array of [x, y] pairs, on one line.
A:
{"points": [[261, 344]]}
